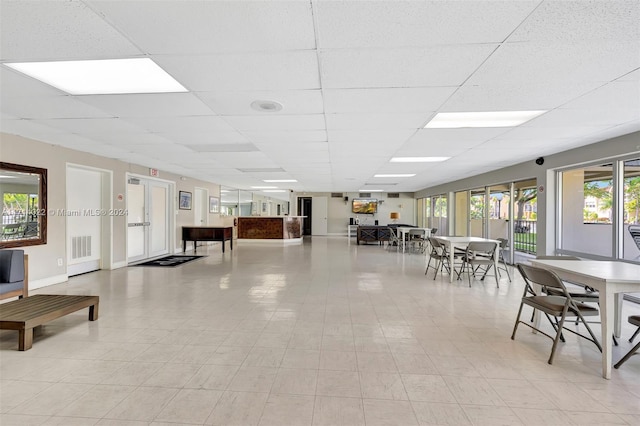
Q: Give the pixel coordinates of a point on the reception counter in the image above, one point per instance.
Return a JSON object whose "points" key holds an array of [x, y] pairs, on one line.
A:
{"points": [[287, 229]]}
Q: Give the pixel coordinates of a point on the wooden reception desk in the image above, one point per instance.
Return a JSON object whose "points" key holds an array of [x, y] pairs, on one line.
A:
{"points": [[284, 228]]}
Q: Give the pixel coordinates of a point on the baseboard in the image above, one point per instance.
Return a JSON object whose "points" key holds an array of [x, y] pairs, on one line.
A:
{"points": [[272, 241], [118, 265], [45, 282]]}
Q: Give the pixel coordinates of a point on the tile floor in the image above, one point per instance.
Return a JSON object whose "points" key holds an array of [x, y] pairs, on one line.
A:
{"points": [[318, 334]]}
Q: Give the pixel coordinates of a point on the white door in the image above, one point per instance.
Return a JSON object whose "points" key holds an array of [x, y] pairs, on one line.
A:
{"points": [[319, 208], [201, 207], [84, 220], [148, 219]]}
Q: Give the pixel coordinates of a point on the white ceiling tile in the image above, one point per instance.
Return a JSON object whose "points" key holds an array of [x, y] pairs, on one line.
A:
{"points": [[412, 23], [374, 121], [581, 21], [400, 100], [182, 125], [277, 122], [60, 30], [148, 105], [583, 117], [194, 138], [239, 102], [246, 71], [286, 136], [502, 95], [16, 85], [393, 137], [540, 62], [403, 67], [212, 26], [131, 139], [92, 125], [615, 95], [43, 107], [446, 136]]}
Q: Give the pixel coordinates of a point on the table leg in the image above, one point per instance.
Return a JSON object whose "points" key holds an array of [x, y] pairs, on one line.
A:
{"points": [[25, 339], [184, 246], [93, 312], [223, 244], [607, 324], [231, 242], [619, 297], [451, 260]]}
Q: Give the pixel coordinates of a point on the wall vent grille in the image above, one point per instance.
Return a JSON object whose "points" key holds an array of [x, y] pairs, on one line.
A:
{"points": [[365, 195], [337, 195], [80, 247], [393, 195]]}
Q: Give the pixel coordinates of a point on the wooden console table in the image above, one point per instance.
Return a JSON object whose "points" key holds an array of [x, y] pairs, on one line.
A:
{"points": [[206, 233], [25, 314]]}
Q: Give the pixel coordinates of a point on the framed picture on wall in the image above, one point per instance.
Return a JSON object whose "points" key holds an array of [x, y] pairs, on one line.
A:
{"points": [[214, 205], [184, 199]]}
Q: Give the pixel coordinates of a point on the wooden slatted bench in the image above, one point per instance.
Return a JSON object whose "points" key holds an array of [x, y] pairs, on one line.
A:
{"points": [[26, 314]]}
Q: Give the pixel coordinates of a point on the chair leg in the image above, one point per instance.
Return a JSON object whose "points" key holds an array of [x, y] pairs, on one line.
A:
{"points": [[627, 356], [555, 341], [634, 334], [515, 326], [495, 271]]}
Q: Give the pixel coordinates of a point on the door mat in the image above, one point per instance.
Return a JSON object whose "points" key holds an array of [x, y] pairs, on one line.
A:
{"points": [[169, 261]]}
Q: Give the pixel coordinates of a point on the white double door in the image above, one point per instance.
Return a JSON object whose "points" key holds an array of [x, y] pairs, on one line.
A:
{"points": [[148, 218]]}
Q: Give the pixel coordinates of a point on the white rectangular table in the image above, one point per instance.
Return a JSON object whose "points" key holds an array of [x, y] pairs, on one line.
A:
{"points": [[611, 279], [404, 230], [462, 242]]}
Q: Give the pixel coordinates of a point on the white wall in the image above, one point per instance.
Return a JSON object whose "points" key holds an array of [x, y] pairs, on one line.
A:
{"points": [[43, 266], [339, 211]]}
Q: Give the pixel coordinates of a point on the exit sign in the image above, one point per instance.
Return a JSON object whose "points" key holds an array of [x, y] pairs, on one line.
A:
{"points": [[154, 172]]}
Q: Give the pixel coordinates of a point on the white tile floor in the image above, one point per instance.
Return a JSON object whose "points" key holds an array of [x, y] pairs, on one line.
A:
{"points": [[318, 334]]}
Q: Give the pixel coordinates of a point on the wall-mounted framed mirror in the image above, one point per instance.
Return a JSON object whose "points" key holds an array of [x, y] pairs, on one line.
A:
{"points": [[24, 205]]}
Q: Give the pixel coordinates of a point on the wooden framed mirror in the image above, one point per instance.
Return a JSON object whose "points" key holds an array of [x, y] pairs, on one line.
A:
{"points": [[24, 205]]}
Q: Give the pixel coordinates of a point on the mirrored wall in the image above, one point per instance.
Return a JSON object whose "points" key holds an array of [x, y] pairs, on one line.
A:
{"points": [[237, 202]]}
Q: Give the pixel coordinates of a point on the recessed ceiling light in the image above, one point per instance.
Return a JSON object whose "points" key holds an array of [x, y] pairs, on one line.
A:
{"points": [[278, 180], [264, 187], [100, 77], [275, 190], [418, 159], [370, 190], [266, 106], [454, 120], [395, 175]]}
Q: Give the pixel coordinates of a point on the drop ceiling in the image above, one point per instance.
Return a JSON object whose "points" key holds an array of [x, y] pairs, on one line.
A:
{"points": [[358, 81]]}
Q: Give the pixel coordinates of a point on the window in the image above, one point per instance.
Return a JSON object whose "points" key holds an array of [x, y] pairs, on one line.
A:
{"points": [[631, 210]]}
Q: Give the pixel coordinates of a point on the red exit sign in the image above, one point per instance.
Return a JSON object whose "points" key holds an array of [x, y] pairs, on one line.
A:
{"points": [[154, 172]]}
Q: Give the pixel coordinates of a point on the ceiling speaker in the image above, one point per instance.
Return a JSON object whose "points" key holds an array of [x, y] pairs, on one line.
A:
{"points": [[539, 161]]}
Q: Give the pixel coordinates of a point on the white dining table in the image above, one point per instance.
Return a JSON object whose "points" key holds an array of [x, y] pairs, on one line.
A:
{"points": [[404, 230], [611, 279], [461, 242]]}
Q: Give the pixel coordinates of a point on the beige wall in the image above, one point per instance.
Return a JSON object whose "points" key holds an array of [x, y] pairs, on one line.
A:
{"points": [[44, 269]]}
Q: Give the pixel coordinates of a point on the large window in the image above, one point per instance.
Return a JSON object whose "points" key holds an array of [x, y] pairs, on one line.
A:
{"points": [[600, 212], [439, 207], [631, 210]]}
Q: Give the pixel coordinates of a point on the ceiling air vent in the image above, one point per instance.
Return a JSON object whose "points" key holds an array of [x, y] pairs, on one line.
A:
{"points": [[393, 195], [336, 195], [365, 195]]}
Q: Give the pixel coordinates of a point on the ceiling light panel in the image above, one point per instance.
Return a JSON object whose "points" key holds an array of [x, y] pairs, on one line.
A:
{"points": [[294, 102], [276, 71], [59, 29], [384, 24], [191, 28], [279, 180], [453, 120], [403, 67], [390, 175], [105, 76]]}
